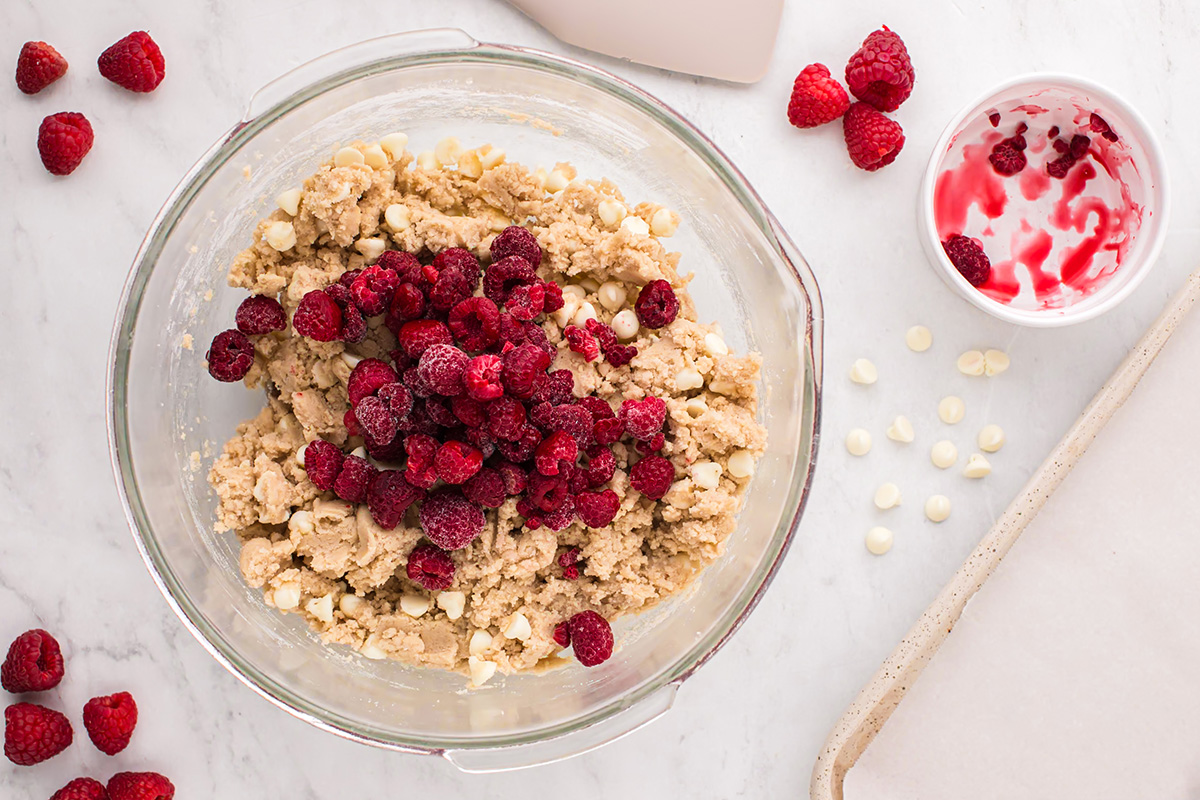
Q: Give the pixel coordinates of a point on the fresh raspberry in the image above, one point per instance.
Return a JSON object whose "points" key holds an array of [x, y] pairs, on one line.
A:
{"points": [[450, 520], [573, 419], [318, 317], [82, 789], [406, 265], [872, 139], [554, 297], [522, 366], [259, 314], [368, 377], [652, 476], [442, 367], [461, 259], [557, 387], [656, 305], [475, 323], [33, 733], [617, 354], [38, 66], [421, 449], [816, 98], [523, 447], [354, 479], [408, 303], [63, 140], [389, 496], [608, 431], [230, 356], [643, 418], [373, 289], [592, 638], [110, 721], [881, 72], [456, 462], [1099, 125], [419, 335], [430, 567], [376, 419], [968, 258], [560, 517], [547, 492], [141, 786], [598, 407], [1008, 156], [600, 468], [582, 342], [485, 488], [557, 448], [506, 419], [597, 509], [517, 241], [481, 380], [34, 663], [323, 461], [504, 275], [451, 288], [526, 301], [134, 63]]}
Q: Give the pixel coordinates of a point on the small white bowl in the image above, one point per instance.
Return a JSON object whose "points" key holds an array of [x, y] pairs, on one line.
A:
{"points": [[1142, 202]]}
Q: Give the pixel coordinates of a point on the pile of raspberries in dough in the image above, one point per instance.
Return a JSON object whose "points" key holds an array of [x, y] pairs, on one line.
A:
{"points": [[500, 571]]}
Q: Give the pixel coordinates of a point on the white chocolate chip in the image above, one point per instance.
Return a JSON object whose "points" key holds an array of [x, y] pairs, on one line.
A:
{"points": [[350, 359], [590, 285], [479, 643], [706, 474], [361, 452], [741, 462], [280, 235], [586, 311], [971, 363], [995, 362], [321, 608], [879, 541], [687, 379], [696, 407], [887, 496], [714, 345], [491, 158], [300, 457], [452, 603], [414, 604], [351, 604], [394, 144], [951, 410], [372, 650], [574, 290], [396, 216], [286, 595], [901, 430], [937, 508], [447, 151], [570, 306], [863, 371], [348, 157], [481, 671], [301, 523], [722, 387], [518, 627], [289, 201], [376, 158], [944, 454], [427, 161], [977, 467], [635, 225], [371, 248], [858, 442], [469, 165], [664, 222], [611, 212], [556, 181], [539, 177], [918, 338], [991, 438], [611, 295], [625, 324]]}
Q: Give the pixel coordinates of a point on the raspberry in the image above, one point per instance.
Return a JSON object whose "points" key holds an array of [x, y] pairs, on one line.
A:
{"points": [[582, 342], [110, 721], [259, 314], [230, 356], [652, 476], [419, 335], [556, 388], [140, 786], [517, 241], [556, 449], [547, 492], [354, 479], [522, 366], [450, 520], [656, 305], [643, 418], [592, 638], [539, 414], [816, 98], [82, 789], [481, 379], [134, 63], [442, 367], [461, 259], [367, 378], [456, 462], [1098, 125], [597, 407], [504, 275], [323, 461], [348, 277], [523, 447], [475, 323], [872, 139], [440, 412], [617, 354], [318, 317], [421, 449], [515, 478], [430, 567], [407, 304], [38, 66], [376, 420], [968, 258], [63, 140], [560, 517], [573, 419], [450, 289], [562, 634], [608, 431], [1079, 146], [486, 488], [600, 468], [526, 301], [399, 399], [569, 557], [415, 383], [481, 439], [554, 297], [389, 496], [373, 289], [391, 453], [597, 509], [34, 663], [880, 72], [506, 419], [406, 265], [1008, 157], [33, 733], [646, 447], [468, 411], [354, 327]]}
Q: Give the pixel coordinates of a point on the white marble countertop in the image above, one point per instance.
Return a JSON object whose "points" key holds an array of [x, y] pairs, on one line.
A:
{"points": [[750, 723]]}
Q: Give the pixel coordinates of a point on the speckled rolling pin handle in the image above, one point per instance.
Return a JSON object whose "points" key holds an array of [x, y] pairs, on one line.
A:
{"points": [[876, 702]]}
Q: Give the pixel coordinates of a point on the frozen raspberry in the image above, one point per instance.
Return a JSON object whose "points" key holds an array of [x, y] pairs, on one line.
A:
{"points": [[608, 431], [526, 301], [367, 378], [522, 367], [547, 492], [1079, 146], [652, 476], [656, 305], [872, 139], [557, 448], [523, 447], [451, 288], [505, 275], [110, 721], [442, 367], [354, 326], [557, 387], [348, 277], [34, 663], [573, 419], [481, 380], [468, 411], [485, 488], [482, 439], [408, 303], [517, 241], [647, 446], [415, 383], [429, 275], [598, 407], [1099, 125], [450, 520], [354, 479], [582, 342], [318, 317], [230, 356], [134, 63], [881, 72], [461, 259], [539, 414], [592, 638], [419, 335], [373, 289], [440, 412], [569, 557], [457, 462], [38, 66], [376, 419], [389, 496], [560, 517], [597, 509], [514, 477], [554, 297], [562, 634], [968, 258], [406, 265], [600, 468], [643, 418], [63, 140], [398, 399], [475, 323], [82, 789], [390, 453], [506, 419], [259, 314], [816, 98], [421, 450], [33, 733], [1008, 156], [140, 786], [430, 567], [323, 461], [614, 352]]}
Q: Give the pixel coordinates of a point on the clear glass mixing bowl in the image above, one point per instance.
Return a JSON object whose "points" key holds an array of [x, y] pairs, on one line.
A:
{"points": [[168, 418]]}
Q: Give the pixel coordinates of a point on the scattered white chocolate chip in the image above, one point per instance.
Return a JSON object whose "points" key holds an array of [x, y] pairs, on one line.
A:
{"points": [[372, 651], [351, 604], [612, 295], [518, 627], [687, 379], [556, 181], [280, 235], [991, 438], [977, 467], [741, 463], [452, 603], [918, 338], [570, 306], [479, 643], [723, 387], [300, 457], [361, 452], [887, 496], [951, 410], [574, 290], [858, 442], [371, 248], [696, 407], [706, 474], [944, 454], [901, 430], [664, 222], [625, 324], [879, 541], [492, 157], [289, 201], [447, 151], [539, 177], [350, 359], [286, 595], [714, 345], [611, 212], [394, 144], [590, 285], [301, 523], [427, 161], [863, 371], [376, 158], [971, 363], [995, 362], [414, 604], [937, 508], [348, 157], [481, 671], [469, 165], [586, 311], [636, 226], [321, 608], [396, 216]]}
